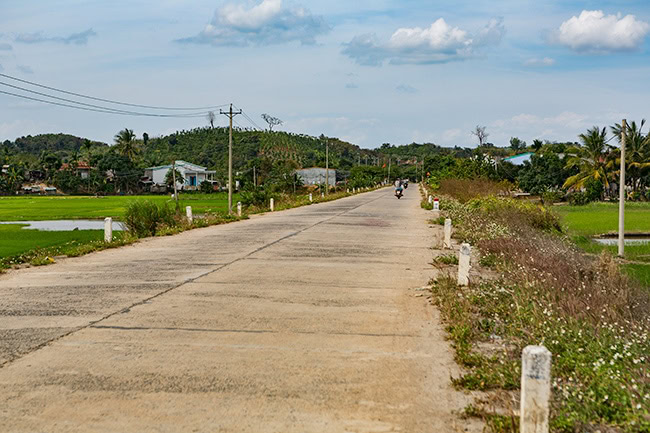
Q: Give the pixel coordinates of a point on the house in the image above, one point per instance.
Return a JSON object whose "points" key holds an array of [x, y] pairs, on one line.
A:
{"points": [[316, 176], [519, 159], [193, 175], [82, 168]]}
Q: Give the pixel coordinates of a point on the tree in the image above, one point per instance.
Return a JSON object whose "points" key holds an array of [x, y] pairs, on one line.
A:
{"points": [[211, 118], [272, 121], [637, 153], [480, 133], [169, 177], [537, 144], [145, 138], [591, 158], [516, 144], [125, 143]]}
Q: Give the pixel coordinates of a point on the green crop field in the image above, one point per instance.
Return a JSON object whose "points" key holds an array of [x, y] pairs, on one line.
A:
{"points": [[36, 208], [598, 218], [16, 240], [585, 222]]}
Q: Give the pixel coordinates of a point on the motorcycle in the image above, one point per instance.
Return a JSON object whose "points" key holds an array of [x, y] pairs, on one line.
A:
{"points": [[398, 193]]}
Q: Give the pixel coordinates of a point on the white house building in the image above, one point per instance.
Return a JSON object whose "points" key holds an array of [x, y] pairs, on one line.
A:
{"points": [[316, 176], [192, 173]]}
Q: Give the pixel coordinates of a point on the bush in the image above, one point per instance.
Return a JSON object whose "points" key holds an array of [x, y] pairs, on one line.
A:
{"points": [[578, 198], [594, 189], [550, 197], [206, 187], [144, 218], [255, 197]]}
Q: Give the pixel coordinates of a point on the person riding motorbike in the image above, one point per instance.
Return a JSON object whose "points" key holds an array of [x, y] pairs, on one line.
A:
{"points": [[398, 188]]}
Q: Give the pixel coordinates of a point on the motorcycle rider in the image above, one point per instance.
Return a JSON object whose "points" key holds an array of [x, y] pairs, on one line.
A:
{"points": [[398, 187]]}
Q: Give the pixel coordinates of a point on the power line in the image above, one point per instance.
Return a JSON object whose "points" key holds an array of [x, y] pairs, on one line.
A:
{"points": [[252, 122], [105, 109], [152, 107], [91, 109]]}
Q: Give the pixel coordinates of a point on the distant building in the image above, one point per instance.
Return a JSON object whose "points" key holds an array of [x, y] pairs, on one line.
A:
{"points": [[82, 169], [193, 175], [519, 159], [316, 176]]}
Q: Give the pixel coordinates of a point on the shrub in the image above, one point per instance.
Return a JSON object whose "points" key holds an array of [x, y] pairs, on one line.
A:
{"points": [[578, 198], [144, 218], [206, 187], [255, 197]]}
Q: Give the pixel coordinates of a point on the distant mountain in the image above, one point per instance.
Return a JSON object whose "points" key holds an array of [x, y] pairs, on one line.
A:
{"points": [[60, 144]]}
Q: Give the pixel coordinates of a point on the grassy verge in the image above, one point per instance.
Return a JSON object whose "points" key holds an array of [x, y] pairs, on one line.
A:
{"points": [[584, 309]]}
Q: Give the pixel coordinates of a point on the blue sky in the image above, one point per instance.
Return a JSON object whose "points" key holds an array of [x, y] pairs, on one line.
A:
{"points": [[365, 71]]}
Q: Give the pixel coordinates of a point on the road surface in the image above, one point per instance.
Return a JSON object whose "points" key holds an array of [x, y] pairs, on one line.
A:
{"points": [[298, 321]]}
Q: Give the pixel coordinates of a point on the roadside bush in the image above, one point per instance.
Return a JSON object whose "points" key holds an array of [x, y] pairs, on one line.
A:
{"points": [[206, 187], [550, 197], [144, 217], [578, 198], [464, 190], [255, 196]]}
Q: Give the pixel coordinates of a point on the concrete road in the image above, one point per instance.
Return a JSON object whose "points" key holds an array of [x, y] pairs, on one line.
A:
{"points": [[298, 321]]}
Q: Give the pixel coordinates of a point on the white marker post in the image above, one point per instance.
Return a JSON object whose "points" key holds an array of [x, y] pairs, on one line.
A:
{"points": [[108, 229], [535, 389], [447, 239], [430, 200], [436, 204], [322, 195], [272, 205], [188, 213], [464, 264], [238, 208], [311, 198]]}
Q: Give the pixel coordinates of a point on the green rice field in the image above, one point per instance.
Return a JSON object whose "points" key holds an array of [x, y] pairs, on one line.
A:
{"points": [[36, 208], [585, 222], [15, 240]]}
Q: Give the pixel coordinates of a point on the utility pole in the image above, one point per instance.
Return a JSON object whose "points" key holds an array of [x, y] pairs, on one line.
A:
{"points": [[621, 193], [231, 114], [175, 189], [327, 167], [254, 177]]}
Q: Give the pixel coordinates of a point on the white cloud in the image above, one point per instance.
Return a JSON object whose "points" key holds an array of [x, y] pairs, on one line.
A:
{"points": [[595, 32], [538, 63], [5, 47], [405, 88], [25, 69], [263, 24], [80, 38], [438, 43]]}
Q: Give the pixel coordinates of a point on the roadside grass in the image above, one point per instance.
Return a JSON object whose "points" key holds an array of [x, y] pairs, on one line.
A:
{"points": [[36, 208], [599, 218], [584, 309], [639, 272]]}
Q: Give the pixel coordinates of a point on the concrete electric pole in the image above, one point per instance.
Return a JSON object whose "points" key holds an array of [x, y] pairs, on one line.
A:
{"points": [[231, 114], [621, 193]]}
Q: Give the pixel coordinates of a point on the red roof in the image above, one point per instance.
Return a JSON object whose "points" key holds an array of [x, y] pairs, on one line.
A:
{"points": [[80, 165]]}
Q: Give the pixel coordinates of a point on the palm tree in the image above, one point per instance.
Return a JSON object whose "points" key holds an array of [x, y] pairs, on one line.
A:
{"points": [[637, 152], [592, 159], [125, 142]]}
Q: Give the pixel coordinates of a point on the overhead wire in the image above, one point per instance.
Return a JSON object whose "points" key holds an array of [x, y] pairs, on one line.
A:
{"points": [[110, 101], [93, 106]]}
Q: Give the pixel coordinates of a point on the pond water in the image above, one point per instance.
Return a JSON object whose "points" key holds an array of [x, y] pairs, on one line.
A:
{"points": [[628, 241], [65, 225]]}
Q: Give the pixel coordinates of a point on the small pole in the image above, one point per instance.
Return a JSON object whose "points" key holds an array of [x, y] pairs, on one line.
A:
{"points": [[254, 177], [447, 240], [327, 167], [188, 213], [108, 229], [238, 208], [311, 198], [436, 204], [621, 194], [430, 199], [272, 203], [535, 389], [178, 210], [464, 264]]}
